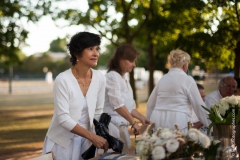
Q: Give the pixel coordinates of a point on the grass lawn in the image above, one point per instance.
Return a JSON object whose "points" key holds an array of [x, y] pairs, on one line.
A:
{"points": [[23, 128]]}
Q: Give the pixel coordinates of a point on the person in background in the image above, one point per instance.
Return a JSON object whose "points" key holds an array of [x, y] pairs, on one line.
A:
{"points": [[196, 123], [78, 99], [169, 101], [237, 91], [119, 101], [226, 87]]}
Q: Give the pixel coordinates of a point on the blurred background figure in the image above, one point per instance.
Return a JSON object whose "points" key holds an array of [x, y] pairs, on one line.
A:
{"points": [[226, 87], [49, 77]]}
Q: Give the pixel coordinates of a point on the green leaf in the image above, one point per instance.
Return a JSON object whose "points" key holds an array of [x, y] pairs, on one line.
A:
{"points": [[206, 109], [229, 118], [237, 116], [209, 128]]}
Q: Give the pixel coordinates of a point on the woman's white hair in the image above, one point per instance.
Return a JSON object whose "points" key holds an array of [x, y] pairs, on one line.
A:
{"points": [[178, 58]]}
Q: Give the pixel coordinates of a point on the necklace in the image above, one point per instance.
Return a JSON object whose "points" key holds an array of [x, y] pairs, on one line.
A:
{"points": [[86, 82]]}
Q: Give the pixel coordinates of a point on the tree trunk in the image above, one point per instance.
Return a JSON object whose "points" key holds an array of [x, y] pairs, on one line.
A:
{"points": [[10, 79], [151, 68], [132, 83], [237, 61]]}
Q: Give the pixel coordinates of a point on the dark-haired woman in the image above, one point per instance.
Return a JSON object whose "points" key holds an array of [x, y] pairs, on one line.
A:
{"points": [[78, 99], [119, 102]]}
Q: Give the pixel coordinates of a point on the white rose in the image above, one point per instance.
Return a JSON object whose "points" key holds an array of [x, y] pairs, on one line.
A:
{"points": [[160, 142], [222, 111], [166, 133], [158, 152], [204, 140], [238, 98], [194, 130], [172, 145], [142, 148], [224, 105], [152, 139], [233, 100], [193, 136]]}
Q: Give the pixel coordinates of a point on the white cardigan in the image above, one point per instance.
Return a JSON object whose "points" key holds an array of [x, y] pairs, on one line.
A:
{"points": [[68, 103], [174, 92]]}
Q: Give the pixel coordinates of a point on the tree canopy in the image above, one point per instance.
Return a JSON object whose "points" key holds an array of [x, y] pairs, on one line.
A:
{"points": [[13, 13]]}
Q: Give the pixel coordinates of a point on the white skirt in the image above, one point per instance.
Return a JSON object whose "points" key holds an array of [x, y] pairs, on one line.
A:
{"points": [[168, 119], [74, 151]]}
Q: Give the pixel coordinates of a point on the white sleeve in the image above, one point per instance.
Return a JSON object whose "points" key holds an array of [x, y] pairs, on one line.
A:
{"points": [[152, 101], [113, 90], [197, 103], [100, 97], [61, 105]]}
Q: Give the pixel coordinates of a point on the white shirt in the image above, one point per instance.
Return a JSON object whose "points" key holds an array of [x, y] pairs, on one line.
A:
{"points": [[118, 93], [173, 94], [212, 98]]}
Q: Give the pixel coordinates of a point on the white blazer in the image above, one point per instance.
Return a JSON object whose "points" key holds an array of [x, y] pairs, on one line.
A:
{"points": [[68, 104]]}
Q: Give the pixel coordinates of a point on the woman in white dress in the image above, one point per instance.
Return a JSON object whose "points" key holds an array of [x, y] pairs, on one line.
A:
{"points": [[171, 99], [119, 101], [78, 99]]}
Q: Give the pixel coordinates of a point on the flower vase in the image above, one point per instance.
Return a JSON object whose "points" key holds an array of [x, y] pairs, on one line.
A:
{"points": [[228, 135]]}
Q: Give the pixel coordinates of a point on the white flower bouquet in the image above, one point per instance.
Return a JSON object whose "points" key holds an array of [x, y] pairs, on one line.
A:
{"points": [[171, 144], [224, 111]]}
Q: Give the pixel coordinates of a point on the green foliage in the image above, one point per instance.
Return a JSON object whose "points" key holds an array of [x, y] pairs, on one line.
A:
{"points": [[58, 45], [211, 152], [12, 32], [224, 112], [215, 39]]}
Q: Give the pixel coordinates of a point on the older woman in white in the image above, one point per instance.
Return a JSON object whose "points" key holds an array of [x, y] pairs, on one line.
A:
{"points": [[169, 102]]}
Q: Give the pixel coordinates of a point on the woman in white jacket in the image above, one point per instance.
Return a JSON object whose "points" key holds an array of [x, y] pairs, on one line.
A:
{"points": [[78, 99], [170, 100]]}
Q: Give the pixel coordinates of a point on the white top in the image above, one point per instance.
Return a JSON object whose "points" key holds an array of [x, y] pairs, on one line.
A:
{"points": [[76, 147], [174, 94], [118, 93], [212, 98], [68, 105]]}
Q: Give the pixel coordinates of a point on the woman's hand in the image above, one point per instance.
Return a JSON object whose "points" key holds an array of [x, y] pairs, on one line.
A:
{"points": [[144, 120], [136, 128], [99, 142]]}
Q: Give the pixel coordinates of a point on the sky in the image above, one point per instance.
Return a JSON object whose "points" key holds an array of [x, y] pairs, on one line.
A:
{"points": [[42, 33]]}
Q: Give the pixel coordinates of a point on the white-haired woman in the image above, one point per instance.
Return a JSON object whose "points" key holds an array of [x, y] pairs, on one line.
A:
{"points": [[169, 102]]}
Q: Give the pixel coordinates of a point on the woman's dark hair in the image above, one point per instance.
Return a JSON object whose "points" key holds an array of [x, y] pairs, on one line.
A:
{"points": [[81, 41], [200, 86], [123, 52]]}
